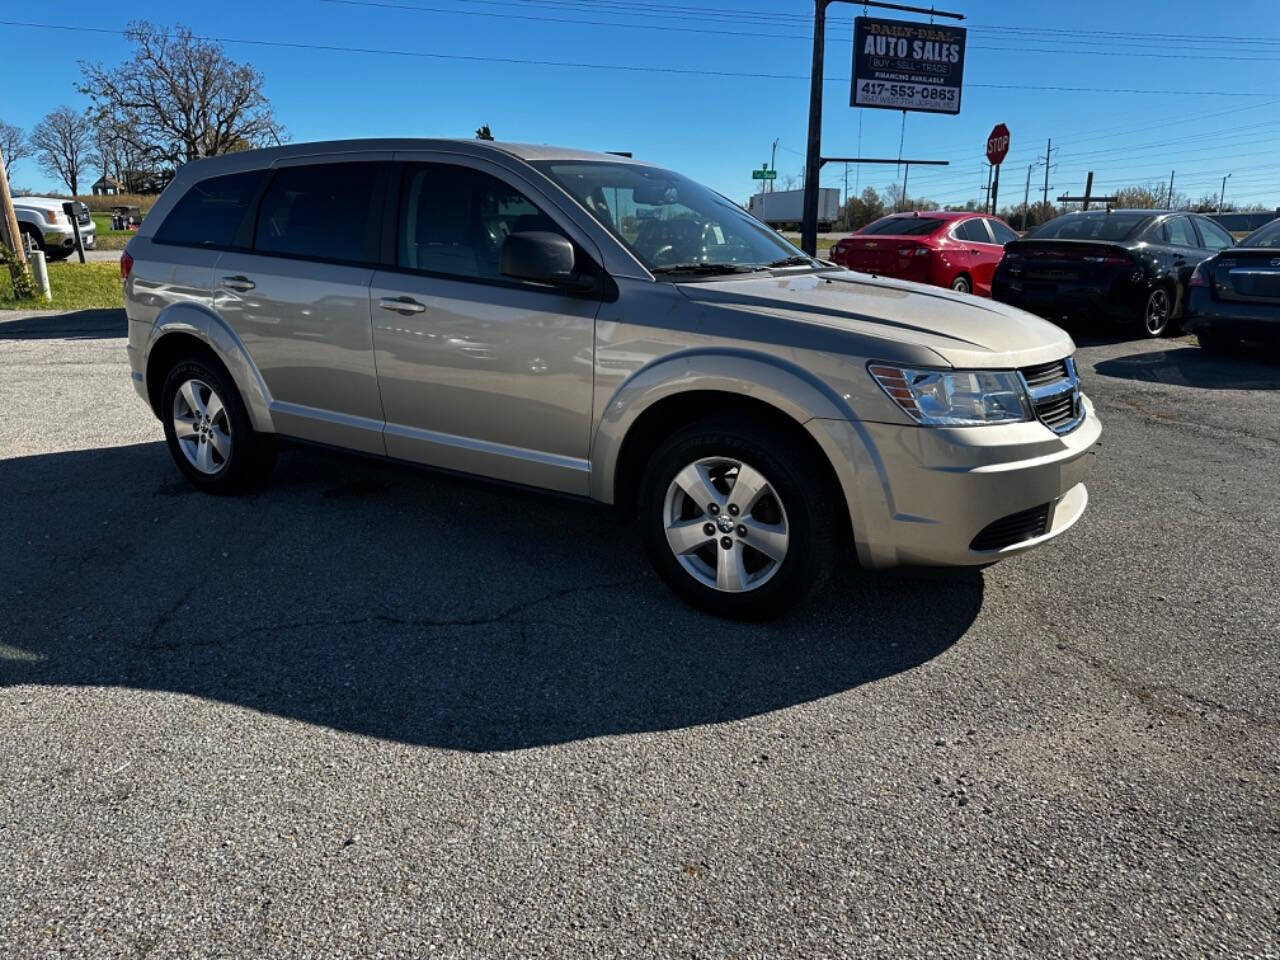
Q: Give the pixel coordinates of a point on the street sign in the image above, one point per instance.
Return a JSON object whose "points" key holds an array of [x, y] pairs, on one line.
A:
{"points": [[764, 174], [998, 144], [898, 65]]}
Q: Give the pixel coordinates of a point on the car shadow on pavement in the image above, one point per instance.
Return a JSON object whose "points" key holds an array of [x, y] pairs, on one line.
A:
{"points": [[75, 325], [1190, 366], [429, 610]]}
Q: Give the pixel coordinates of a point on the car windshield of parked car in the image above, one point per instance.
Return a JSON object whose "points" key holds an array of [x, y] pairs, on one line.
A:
{"points": [[902, 227], [1091, 226], [668, 220], [1268, 236]]}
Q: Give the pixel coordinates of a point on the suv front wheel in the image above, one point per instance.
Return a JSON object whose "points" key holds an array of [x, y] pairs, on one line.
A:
{"points": [[207, 429], [739, 522]]}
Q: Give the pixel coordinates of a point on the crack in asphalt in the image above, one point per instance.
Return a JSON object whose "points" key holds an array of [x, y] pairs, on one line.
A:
{"points": [[506, 614], [1149, 694]]}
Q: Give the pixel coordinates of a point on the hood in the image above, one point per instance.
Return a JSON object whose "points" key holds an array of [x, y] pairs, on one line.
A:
{"points": [[39, 203], [935, 326]]}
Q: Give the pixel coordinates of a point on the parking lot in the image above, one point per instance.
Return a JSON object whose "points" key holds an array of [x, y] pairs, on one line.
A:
{"points": [[378, 712]]}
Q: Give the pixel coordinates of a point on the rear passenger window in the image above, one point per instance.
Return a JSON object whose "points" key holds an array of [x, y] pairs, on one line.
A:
{"points": [[973, 231], [454, 220], [320, 211], [210, 213], [1180, 232], [1003, 234]]}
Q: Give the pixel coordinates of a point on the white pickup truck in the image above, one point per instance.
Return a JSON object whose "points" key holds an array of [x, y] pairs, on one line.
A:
{"points": [[42, 221]]}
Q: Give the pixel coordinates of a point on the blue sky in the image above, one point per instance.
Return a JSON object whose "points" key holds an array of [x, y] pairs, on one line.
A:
{"points": [[715, 124]]}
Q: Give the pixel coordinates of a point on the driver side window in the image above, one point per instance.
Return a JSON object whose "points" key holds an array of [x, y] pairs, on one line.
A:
{"points": [[454, 220]]}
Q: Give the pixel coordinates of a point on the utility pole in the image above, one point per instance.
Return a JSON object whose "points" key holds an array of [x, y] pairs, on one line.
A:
{"points": [[1088, 189], [1048, 152], [9, 232], [1169, 201], [773, 162], [1223, 196], [846, 184], [1026, 195]]}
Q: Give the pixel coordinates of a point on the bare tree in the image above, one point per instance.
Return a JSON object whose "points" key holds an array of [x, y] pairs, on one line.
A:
{"points": [[13, 142], [63, 142], [180, 98]]}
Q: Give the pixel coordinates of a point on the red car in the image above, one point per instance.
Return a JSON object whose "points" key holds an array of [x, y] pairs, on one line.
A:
{"points": [[956, 250]]}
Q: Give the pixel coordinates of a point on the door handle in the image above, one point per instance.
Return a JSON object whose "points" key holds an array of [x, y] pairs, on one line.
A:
{"points": [[974, 252], [404, 305], [238, 283]]}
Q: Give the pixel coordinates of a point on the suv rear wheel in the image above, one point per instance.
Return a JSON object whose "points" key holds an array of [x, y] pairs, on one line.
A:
{"points": [[207, 429], [738, 522]]}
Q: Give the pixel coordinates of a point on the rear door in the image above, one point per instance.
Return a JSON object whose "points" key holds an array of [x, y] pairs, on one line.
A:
{"points": [[479, 372], [299, 299], [983, 253], [1184, 245]]}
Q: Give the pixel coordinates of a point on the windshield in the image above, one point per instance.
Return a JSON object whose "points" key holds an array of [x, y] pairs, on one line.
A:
{"points": [[903, 226], [668, 221], [1268, 236], [1090, 226]]}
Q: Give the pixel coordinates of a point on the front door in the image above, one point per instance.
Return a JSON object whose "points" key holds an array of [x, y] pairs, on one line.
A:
{"points": [[479, 372], [300, 302]]}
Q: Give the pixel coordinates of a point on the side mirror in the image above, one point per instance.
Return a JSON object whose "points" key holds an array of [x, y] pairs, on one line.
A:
{"points": [[541, 257]]}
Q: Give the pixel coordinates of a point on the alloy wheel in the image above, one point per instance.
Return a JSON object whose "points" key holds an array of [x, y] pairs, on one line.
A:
{"points": [[1157, 313], [201, 426], [726, 524]]}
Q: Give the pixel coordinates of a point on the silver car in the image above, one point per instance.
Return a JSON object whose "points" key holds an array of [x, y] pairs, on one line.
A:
{"points": [[597, 326]]}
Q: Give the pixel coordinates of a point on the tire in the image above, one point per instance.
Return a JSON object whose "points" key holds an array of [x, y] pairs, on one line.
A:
{"points": [[961, 285], [1213, 342], [36, 240], [796, 513], [1157, 313], [218, 450]]}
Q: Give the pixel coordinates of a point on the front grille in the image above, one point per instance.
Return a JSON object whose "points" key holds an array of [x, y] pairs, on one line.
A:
{"points": [[1044, 373], [1055, 394], [1058, 411], [1015, 528]]}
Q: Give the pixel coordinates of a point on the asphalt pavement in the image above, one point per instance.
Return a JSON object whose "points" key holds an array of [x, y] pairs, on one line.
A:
{"points": [[373, 712]]}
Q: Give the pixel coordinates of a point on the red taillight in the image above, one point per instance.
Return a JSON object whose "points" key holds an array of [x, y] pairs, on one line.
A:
{"points": [[1119, 261], [913, 251], [1199, 278], [126, 265]]}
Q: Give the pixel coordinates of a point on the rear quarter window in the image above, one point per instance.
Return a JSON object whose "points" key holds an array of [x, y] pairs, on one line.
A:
{"points": [[210, 212]]}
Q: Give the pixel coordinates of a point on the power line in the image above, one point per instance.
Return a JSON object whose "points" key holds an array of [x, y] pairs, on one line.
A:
{"points": [[626, 68]]}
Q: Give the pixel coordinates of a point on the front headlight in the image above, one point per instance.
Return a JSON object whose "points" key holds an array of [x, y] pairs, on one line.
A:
{"points": [[955, 398]]}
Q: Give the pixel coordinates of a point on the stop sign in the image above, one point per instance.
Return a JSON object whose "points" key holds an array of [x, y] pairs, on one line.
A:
{"points": [[998, 144]]}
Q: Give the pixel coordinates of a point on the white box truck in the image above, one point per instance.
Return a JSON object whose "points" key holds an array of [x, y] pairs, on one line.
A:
{"points": [[784, 209]]}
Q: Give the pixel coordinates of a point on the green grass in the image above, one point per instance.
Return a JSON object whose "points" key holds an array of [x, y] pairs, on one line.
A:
{"points": [[76, 286]]}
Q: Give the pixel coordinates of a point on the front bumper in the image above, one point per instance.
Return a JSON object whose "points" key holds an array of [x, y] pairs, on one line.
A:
{"points": [[64, 238], [921, 495]]}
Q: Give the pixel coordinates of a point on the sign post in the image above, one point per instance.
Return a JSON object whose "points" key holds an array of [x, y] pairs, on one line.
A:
{"points": [[997, 150], [934, 88]]}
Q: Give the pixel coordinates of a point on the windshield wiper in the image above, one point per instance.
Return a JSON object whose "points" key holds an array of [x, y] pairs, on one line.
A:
{"points": [[794, 262], [705, 268]]}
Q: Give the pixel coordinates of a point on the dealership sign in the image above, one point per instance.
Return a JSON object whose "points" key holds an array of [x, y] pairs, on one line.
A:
{"points": [[899, 65]]}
